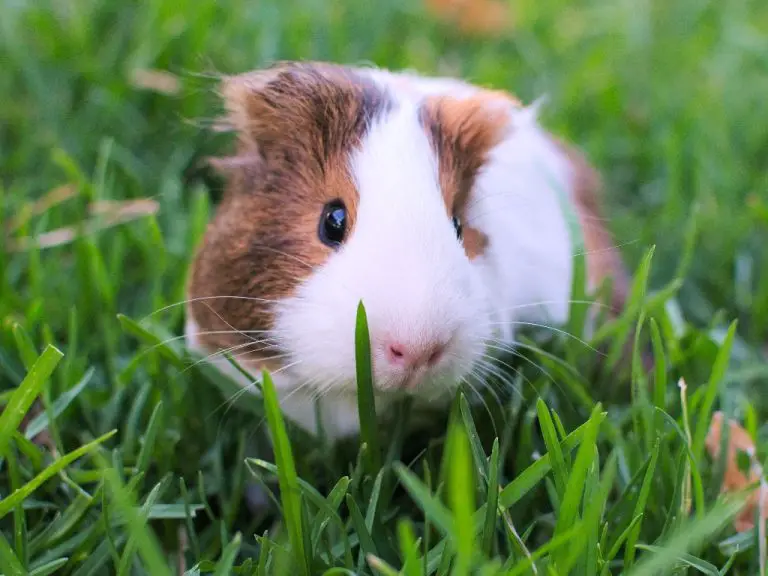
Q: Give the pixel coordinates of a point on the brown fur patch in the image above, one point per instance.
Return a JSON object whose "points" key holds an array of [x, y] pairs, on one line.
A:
{"points": [[602, 256], [463, 131], [296, 124]]}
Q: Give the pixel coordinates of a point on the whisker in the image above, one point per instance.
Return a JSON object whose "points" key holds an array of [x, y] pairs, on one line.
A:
{"points": [[479, 395], [206, 333], [225, 351], [544, 371], [225, 322], [544, 302], [607, 248], [489, 362], [516, 353], [482, 382], [230, 402], [553, 328], [283, 253], [466, 381], [220, 352], [202, 298]]}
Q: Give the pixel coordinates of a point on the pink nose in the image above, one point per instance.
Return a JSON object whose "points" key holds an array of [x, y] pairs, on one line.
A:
{"points": [[412, 357]]}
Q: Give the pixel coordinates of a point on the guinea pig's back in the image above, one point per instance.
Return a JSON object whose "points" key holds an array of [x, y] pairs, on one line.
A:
{"points": [[523, 200]]}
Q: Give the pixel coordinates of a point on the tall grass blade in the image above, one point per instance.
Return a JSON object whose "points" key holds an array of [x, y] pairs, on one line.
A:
{"points": [[7, 504], [366, 403], [286, 471], [23, 397]]}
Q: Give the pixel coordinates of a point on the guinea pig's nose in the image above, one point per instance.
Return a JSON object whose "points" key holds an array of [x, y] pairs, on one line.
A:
{"points": [[414, 356]]}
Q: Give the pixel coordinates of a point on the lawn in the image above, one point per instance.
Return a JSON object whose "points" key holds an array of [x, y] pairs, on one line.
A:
{"points": [[136, 459]]}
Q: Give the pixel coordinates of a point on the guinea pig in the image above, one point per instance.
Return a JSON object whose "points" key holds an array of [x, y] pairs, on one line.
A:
{"points": [[443, 206]]}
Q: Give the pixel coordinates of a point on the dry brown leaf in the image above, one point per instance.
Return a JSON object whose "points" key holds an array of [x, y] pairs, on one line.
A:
{"points": [[139, 207], [484, 17], [41, 205], [111, 213], [734, 479], [156, 80]]}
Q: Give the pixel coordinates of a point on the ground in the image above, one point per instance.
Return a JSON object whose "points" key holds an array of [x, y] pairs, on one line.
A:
{"points": [[107, 102]]}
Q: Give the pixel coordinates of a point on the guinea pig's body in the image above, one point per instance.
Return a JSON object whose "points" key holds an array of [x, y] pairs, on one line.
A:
{"points": [[444, 207]]}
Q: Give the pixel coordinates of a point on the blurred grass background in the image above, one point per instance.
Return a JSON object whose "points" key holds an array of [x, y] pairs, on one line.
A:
{"points": [[666, 97]]}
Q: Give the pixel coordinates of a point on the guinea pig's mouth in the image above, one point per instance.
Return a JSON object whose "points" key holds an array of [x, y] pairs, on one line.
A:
{"points": [[410, 382], [406, 383]]}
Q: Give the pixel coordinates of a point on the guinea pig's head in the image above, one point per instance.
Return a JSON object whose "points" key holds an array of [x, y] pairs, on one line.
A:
{"points": [[341, 192]]}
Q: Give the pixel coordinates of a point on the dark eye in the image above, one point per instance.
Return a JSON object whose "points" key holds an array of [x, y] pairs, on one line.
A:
{"points": [[457, 226], [333, 223]]}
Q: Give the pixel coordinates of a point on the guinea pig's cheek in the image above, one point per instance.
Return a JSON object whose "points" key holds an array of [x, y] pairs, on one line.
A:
{"points": [[316, 328]]}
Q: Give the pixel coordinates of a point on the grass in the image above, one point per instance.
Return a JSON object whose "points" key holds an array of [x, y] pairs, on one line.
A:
{"points": [[587, 468]]}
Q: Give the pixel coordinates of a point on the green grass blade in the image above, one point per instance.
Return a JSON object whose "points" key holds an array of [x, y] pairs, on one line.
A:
{"points": [[461, 488], [144, 335], [635, 300], [335, 497], [477, 449], [23, 397], [698, 485], [569, 508], [373, 503], [532, 475], [126, 562], [716, 377], [49, 567], [25, 346], [145, 540], [660, 366], [614, 550], [40, 422], [489, 526], [8, 503], [228, 556], [286, 469], [578, 312], [697, 563], [552, 442], [367, 545], [688, 535], [65, 523], [595, 501], [9, 562], [326, 506], [380, 566], [556, 543], [153, 429], [409, 548], [366, 403], [642, 499], [430, 505]]}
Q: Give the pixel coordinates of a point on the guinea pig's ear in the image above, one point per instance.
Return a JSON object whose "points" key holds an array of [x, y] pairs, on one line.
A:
{"points": [[251, 108], [299, 108], [463, 131]]}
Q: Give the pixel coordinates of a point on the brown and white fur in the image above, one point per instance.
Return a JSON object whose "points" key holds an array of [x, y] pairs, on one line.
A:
{"points": [[409, 157]]}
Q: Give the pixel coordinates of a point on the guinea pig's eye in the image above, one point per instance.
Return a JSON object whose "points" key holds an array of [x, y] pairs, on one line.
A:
{"points": [[457, 226], [333, 223]]}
